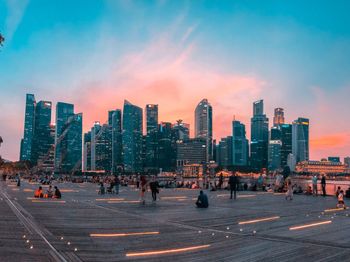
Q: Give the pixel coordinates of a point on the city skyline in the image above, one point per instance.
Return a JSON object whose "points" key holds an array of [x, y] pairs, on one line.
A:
{"points": [[230, 53]]}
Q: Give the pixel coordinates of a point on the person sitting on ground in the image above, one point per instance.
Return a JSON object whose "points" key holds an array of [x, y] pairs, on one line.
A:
{"points": [[202, 201], [341, 203], [57, 193], [38, 193], [49, 193], [308, 191]]}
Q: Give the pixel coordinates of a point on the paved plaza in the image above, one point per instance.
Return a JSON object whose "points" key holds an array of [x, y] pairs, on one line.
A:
{"points": [[83, 226]]}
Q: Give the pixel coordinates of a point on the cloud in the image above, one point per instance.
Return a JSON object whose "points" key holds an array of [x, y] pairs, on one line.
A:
{"points": [[16, 10]]}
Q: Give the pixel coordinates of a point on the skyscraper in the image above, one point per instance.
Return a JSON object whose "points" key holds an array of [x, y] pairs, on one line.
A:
{"points": [[87, 152], [278, 118], [26, 144], [275, 146], [224, 152], [117, 146], [42, 139], [259, 136], [101, 147], [286, 138], [240, 145], [70, 153], [132, 137], [300, 139], [151, 150], [204, 125], [63, 112], [166, 147]]}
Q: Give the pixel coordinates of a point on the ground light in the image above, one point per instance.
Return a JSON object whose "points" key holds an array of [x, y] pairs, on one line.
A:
{"points": [[310, 225], [166, 251], [258, 220], [124, 234]]}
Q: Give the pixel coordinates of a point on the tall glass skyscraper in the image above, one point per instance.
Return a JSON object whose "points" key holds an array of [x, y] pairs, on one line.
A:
{"points": [[132, 137], [240, 145], [166, 147], [182, 130], [26, 143], [42, 139], [259, 136], [151, 156], [117, 146], [101, 147], [300, 135], [63, 112], [286, 138], [275, 146], [71, 145], [203, 125]]}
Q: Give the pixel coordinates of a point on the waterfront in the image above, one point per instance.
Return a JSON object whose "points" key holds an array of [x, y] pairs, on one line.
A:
{"points": [[255, 227]]}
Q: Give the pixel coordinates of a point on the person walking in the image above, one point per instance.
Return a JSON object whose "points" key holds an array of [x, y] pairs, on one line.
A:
{"points": [[323, 185], [154, 185], [233, 182], [314, 186]]}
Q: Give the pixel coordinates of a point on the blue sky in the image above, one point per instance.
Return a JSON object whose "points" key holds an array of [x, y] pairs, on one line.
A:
{"points": [[293, 54]]}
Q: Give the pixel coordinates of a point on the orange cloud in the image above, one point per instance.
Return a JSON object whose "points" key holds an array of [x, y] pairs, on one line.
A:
{"points": [[330, 141]]}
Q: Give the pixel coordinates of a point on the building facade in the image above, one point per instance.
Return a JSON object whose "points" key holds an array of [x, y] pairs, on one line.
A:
{"points": [[132, 138], [259, 137], [240, 146], [300, 139], [26, 143], [42, 136], [203, 117]]}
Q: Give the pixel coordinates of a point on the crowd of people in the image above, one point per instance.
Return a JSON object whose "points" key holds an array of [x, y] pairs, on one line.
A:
{"points": [[111, 185]]}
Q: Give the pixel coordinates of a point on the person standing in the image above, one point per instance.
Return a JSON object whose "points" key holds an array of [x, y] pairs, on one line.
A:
{"points": [[314, 186], [289, 193], [143, 183], [323, 185], [116, 184], [233, 182], [154, 185]]}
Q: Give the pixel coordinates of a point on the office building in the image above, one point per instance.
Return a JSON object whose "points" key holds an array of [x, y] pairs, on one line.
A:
{"points": [[204, 125], [166, 147], [286, 139], [151, 139], [63, 112], [334, 159], [192, 151], [300, 139], [26, 143], [225, 152], [115, 123], [240, 146], [70, 153], [101, 147], [182, 130], [87, 152], [347, 161], [132, 138], [259, 137], [42, 139]]}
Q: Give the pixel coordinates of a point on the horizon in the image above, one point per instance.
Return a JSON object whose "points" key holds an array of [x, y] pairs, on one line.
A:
{"points": [[174, 53]]}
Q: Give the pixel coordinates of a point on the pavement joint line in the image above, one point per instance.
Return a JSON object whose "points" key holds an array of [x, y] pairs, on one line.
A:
{"points": [[27, 221]]}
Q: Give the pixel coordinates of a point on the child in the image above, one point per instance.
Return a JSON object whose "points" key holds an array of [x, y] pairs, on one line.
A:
{"points": [[341, 203], [289, 193]]}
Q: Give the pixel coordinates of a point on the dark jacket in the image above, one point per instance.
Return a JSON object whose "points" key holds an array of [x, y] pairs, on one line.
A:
{"points": [[203, 200], [233, 181]]}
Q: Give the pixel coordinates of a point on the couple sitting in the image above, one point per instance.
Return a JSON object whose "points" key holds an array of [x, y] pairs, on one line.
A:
{"points": [[49, 193]]}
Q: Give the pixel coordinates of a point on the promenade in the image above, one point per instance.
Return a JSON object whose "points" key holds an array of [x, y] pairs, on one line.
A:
{"points": [[83, 226]]}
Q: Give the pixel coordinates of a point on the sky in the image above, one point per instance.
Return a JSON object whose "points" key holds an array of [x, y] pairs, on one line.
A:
{"points": [[293, 54]]}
